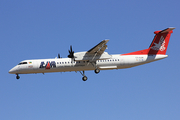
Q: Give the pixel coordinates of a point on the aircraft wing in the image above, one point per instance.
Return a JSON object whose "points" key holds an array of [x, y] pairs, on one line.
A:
{"points": [[99, 48]]}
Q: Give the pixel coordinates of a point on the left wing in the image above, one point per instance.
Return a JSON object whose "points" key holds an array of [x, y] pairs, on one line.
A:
{"points": [[99, 48]]}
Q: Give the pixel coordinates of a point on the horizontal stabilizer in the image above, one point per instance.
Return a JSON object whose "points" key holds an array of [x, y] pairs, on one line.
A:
{"points": [[165, 30]]}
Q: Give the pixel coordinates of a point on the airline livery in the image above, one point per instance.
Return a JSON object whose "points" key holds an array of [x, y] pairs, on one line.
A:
{"points": [[96, 59]]}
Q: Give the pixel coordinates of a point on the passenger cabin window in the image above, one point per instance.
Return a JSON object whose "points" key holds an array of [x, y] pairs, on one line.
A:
{"points": [[22, 63]]}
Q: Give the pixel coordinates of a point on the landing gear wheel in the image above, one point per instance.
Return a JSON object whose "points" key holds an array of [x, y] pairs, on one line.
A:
{"points": [[17, 77], [84, 78], [96, 71]]}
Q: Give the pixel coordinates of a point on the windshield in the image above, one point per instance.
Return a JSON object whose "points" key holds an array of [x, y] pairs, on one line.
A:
{"points": [[22, 63]]}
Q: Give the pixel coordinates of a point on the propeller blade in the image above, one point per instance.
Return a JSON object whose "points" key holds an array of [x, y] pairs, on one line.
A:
{"points": [[71, 52], [71, 48]]}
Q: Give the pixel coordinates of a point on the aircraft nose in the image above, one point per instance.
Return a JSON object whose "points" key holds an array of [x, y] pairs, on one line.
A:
{"points": [[13, 70]]}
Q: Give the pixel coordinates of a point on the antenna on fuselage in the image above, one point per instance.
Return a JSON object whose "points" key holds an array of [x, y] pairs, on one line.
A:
{"points": [[59, 56]]}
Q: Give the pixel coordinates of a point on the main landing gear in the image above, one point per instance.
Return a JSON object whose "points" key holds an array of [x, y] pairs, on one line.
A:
{"points": [[84, 78], [96, 68], [17, 76], [96, 71]]}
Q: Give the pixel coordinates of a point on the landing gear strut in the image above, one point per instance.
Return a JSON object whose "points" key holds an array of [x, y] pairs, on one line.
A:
{"points": [[96, 68], [17, 76], [84, 78]]}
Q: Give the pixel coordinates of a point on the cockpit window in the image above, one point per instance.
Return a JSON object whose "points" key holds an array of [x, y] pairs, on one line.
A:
{"points": [[22, 63]]}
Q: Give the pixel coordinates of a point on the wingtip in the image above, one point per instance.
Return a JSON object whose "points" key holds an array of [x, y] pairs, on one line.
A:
{"points": [[106, 40]]}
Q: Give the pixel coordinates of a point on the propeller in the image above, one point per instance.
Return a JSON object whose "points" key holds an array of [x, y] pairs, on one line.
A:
{"points": [[71, 53]]}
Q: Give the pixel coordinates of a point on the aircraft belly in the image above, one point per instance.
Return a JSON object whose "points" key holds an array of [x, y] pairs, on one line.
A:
{"points": [[58, 69]]}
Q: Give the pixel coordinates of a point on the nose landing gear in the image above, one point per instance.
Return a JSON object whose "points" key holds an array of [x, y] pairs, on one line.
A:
{"points": [[17, 76]]}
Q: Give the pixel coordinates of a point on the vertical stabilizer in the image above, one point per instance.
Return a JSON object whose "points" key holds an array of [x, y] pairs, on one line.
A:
{"points": [[160, 42]]}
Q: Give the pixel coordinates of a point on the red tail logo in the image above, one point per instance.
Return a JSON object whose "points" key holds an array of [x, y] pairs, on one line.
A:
{"points": [[159, 44]]}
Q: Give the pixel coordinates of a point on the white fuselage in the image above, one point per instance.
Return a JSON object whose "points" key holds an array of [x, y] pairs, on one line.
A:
{"points": [[67, 64]]}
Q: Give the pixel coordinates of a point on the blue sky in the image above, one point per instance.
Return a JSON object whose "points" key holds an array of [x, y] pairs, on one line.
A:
{"points": [[42, 29]]}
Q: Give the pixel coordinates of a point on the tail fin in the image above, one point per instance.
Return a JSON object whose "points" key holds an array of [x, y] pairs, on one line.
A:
{"points": [[159, 44]]}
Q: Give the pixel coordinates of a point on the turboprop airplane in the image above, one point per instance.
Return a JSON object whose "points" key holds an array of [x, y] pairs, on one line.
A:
{"points": [[96, 59]]}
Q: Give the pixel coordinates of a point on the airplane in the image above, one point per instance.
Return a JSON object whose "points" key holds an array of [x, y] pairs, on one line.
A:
{"points": [[97, 59]]}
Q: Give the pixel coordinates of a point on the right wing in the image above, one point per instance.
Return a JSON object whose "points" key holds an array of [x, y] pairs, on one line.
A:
{"points": [[99, 48]]}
